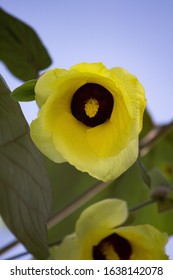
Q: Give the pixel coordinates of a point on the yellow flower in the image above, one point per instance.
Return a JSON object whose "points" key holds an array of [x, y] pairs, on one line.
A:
{"points": [[100, 236], [91, 117]]}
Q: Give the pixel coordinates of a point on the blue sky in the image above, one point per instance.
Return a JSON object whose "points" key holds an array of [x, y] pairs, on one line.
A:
{"points": [[136, 35]]}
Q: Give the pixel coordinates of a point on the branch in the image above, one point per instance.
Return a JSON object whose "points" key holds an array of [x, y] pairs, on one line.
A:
{"points": [[143, 204], [153, 137], [8, 247], [74, 205], [18, 256]]}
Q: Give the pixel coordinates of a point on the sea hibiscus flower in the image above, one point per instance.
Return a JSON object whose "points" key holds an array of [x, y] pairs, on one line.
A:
{"points": [[100, 235], [91, 117]]}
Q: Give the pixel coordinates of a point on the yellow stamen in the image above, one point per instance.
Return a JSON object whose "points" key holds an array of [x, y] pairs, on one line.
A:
{"points": [[91, 107], [109, 252]]}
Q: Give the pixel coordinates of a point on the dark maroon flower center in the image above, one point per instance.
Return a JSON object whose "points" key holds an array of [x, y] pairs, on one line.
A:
{"points": [[113, 245], [92, 104]]}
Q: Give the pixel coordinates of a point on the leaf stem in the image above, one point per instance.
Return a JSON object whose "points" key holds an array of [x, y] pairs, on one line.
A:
{"points": [[74, 205], [142, 205]]}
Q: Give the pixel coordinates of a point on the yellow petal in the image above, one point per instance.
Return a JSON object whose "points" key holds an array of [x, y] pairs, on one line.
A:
{"points": [[50, 81], [97, 68], [125, 123], [97, 221], [70, 140], [147, 242], [43, 141], [69, 137], [109, 138], [67, 250], [45, 85], [103, 215], [132, 92]]}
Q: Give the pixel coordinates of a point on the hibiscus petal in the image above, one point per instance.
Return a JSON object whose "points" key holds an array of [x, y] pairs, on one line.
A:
{"points": [[96, 68], [44, 142], [44, 87], [67, 250], [147, 242], [103, 215], [70, 140]]}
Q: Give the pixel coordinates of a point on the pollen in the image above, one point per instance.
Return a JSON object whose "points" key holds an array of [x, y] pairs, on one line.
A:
{"points": [[91, 107]]}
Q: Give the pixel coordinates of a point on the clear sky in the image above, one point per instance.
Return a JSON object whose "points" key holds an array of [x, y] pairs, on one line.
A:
{"points": [[134, 34]]}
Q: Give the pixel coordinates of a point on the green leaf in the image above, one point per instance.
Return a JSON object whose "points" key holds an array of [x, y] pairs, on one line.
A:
{"points": [[25, 193], [21, 49], [25, 92]]}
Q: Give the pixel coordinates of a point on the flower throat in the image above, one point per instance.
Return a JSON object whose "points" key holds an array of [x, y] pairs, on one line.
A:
{"points": [[113, 247], [92, 104]]}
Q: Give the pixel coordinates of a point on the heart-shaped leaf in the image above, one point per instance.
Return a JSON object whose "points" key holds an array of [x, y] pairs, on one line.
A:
{"points": [[25, 193], [21, 49]]}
